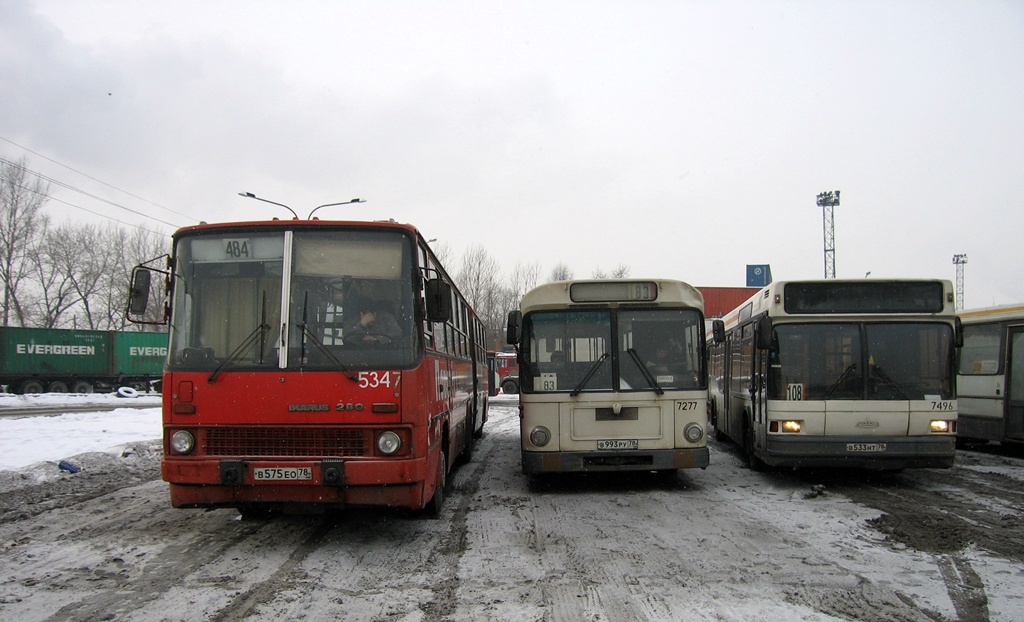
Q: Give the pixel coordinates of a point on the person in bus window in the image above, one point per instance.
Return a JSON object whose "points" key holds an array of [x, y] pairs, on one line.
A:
{"points": [[670, 362], [375, 325]]}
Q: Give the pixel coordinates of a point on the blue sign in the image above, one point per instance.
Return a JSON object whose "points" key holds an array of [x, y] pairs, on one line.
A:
{"points": [[759, 276]]}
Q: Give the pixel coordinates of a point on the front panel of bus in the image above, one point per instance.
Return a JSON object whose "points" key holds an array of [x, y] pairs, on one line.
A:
{"points": [[613, 389], [876, 390], [295, 369]]}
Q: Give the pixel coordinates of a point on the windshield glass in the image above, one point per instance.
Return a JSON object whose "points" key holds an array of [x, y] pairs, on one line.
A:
{"points": [[573, 351], [892, 361], [351, 301], [227, 298], [350, 304]]}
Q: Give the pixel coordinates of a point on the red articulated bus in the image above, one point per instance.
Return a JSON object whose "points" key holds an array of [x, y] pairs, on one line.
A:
{"points": [[312, 364], [507, 368]]}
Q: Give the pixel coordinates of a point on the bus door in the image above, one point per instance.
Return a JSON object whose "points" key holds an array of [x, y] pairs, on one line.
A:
{"points": [[1015, 385]]}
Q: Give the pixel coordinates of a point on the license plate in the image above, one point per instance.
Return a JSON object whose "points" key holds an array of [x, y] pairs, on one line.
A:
{"points": [[619, 444], [865, 447], [282, 474]]}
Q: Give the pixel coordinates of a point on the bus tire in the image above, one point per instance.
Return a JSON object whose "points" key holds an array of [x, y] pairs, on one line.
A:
{"points": [[510, 387], [82, 386], [57, 386], [31, 386], [433, 507], [755, 463], [467, 450]]}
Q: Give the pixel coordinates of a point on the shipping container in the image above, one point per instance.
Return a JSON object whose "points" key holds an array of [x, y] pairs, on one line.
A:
{"points": [[38, 360]]}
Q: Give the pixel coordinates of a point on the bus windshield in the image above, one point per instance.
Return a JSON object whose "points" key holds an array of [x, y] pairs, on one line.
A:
{"points": [[349, 301], [861, 361], [606, 350]]}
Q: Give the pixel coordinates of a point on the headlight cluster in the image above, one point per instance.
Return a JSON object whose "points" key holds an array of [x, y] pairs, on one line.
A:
{"points": [[790, 426], [693, 432], [942, 426], [388, 443], [540, 436], [183, 442]]}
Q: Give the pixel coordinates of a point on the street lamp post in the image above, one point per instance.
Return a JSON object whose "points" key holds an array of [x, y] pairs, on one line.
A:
{"points": [[959, 260], [827, 201], [250, 195]]}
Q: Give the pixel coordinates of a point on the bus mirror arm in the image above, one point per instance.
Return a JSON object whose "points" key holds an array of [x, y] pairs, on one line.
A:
{"points": [[764, 333], [514, 327], [718, 331]]}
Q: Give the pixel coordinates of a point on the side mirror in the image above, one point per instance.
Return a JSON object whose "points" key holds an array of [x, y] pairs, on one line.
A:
{"points": [[765, 333], [514, 327], [958, 332], [439, 300], [138, 294], [718, 331]]}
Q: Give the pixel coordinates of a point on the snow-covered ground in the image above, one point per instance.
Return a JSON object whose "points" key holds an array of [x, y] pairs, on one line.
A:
{"points": [[720, 544], [25, 441]]}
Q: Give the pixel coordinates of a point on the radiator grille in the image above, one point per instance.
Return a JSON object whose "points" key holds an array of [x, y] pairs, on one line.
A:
{"points": [[287, 442]]}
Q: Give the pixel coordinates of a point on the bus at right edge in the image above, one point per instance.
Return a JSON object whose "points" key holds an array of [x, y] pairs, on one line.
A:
{"points": [[840, 373]]}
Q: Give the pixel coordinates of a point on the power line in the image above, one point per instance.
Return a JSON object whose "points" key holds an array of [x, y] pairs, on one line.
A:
{"points": [[84, 209], [80, 191], [7, 140]]}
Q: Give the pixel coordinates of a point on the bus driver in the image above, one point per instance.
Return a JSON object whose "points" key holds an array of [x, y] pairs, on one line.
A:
{"points": [[375, 326]]}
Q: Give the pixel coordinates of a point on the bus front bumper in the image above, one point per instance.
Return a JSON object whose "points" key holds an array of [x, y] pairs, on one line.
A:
{"points": [[884, 453], [604, 461], [232, 483]]}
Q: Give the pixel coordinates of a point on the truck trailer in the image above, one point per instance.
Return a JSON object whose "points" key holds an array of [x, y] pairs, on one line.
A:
{"points": [[41, 360]]}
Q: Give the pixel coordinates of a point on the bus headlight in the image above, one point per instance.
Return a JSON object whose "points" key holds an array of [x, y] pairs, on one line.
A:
{"points": [[693, 432], [388, 443], [793, 427], [183, 442], [540, 436], [942, 426]]}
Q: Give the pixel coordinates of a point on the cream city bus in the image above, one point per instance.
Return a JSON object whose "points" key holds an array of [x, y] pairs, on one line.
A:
{"points": [[840, 373], [612, 376], [990, 383]]}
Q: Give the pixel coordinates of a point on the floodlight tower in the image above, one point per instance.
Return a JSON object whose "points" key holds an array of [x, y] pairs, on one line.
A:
{"points": [[828, 200], [960, 260]]}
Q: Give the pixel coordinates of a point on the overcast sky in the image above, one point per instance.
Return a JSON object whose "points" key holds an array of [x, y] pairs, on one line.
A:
{"points": [[681, 139]]}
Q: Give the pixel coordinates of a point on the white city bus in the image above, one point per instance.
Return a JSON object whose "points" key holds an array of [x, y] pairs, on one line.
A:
{"points": [[990, 384], [840, 373], [612, 376]]}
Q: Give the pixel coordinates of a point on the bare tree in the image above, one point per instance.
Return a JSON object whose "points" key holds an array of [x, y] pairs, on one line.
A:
{"points": [[21, 223], [129, 249], [51, 257], [620, 272], [561, 272]]}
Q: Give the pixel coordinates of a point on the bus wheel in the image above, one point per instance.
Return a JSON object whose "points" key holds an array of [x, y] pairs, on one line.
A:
{"points": [[510, 387], [467, 450], [57, 386], [755, 463], [433, 507], [31, 386], [82, 386]]}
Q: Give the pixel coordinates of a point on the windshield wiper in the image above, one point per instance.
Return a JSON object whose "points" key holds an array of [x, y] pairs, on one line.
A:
{"points": [[876, 370], [258, 333], [646, 372], [242, 348], [590, 374], [842, 377], [306, 333]]}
